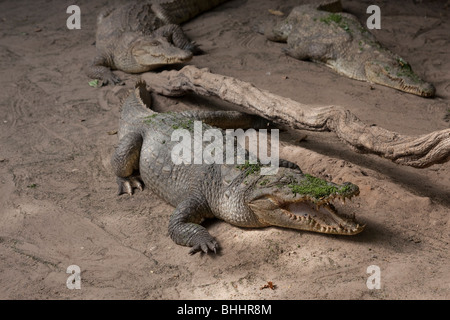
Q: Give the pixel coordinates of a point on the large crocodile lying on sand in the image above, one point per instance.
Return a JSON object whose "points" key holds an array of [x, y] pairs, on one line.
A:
{"points": [[325, 34], [142, 36], [237, 194]]}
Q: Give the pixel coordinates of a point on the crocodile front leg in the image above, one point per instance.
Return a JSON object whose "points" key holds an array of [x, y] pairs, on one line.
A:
{"points": [[100, 69], [185, 228], [125, 163]]}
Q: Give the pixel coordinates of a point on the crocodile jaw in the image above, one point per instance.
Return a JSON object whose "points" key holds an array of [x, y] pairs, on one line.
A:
{"points": [[154, 53], [323, 218], [398, 75], [305, 215], [300, 201]]}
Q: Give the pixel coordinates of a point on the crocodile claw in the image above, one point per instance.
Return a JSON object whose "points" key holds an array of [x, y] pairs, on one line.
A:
{"points": [[113, 80], [126, 185], [110, 78], [206, 246]]}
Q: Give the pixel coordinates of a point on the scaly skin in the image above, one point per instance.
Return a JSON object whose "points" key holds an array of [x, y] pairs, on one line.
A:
{"points": [[237, 194], [142, 36], [326, 35]]}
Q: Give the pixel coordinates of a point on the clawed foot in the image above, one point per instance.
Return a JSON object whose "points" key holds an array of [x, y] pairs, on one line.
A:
{"points": [[205, 246], [126, 185], [112, 78]]}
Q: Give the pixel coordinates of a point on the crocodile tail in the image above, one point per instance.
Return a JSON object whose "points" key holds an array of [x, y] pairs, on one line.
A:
{"points": [[137, 103], [179, 11], [142, 94]]}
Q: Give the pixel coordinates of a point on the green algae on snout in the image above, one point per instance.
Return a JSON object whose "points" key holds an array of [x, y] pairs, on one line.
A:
{"points": [[317, 188], [406, 71]]}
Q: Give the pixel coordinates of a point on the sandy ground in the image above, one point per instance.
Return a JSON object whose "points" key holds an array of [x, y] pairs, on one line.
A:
{"points": [[58, 203]]}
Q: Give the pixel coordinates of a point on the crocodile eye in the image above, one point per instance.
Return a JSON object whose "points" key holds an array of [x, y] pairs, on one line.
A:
{"points": [[155, 43]]}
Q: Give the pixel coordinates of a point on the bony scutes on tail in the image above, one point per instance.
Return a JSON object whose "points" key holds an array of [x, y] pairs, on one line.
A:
{"points": [[337, 39], [238, 194], [144, 35]]}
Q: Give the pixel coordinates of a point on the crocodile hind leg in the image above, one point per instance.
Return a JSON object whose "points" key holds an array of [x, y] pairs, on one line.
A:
{"points": [[125, 163], [185, 228]]}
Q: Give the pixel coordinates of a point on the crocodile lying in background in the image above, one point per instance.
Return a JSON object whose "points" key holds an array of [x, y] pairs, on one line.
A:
{"points": [[142, 36], [325, 34], [237, 194]]}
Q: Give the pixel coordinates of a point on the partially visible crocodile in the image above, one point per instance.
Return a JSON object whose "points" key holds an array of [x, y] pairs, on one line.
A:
{"points": [[237, 194], [325, 34], [141, 36]]}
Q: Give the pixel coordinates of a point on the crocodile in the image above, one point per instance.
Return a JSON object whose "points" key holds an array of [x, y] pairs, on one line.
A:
{"points": [[237, 194], [144, 35], [325, 34]]}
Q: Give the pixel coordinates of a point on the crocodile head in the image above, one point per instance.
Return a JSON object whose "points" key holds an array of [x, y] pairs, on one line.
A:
{"points": [[157, 52], [398, 74], [293, 200]]}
